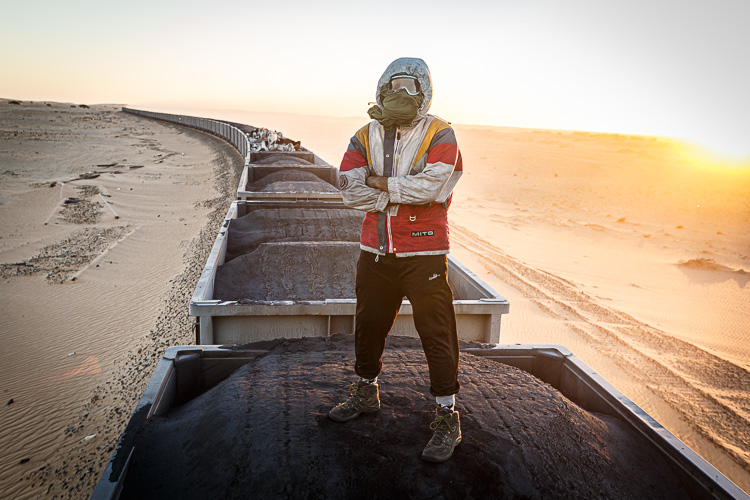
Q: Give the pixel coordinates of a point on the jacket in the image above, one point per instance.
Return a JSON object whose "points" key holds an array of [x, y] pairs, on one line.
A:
{"points": [[418, 159]]}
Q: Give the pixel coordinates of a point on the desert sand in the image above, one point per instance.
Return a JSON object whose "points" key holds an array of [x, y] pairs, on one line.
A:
{"points": [[634, 257], [89, 301], [618, 247]]}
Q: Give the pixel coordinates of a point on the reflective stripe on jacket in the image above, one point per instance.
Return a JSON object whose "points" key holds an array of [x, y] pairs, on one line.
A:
{"points": [[418, 161]]}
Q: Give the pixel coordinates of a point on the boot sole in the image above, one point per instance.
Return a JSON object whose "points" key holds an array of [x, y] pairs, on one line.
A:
{"points": [[336, 418], [439, 460]]}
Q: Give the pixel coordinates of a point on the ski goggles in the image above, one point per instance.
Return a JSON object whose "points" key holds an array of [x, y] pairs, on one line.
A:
{"points": [[408, 83]]}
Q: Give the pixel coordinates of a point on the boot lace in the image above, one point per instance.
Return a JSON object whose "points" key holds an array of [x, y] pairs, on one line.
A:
{"points": [[443, 428], [355, 399]]}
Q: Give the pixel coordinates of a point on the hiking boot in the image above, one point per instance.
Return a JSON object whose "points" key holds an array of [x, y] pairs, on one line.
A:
{"points": [[447, 436], [363, 399]]}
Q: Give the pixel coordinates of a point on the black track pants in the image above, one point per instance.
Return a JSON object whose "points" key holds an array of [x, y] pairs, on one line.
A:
{"points": [[381, 286]]}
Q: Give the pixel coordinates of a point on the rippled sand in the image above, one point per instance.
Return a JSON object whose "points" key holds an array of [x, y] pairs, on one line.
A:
{"points": [[90, 300]]}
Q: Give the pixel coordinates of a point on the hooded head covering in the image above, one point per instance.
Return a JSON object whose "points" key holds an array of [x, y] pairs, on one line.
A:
{"points": [[410, 66]]}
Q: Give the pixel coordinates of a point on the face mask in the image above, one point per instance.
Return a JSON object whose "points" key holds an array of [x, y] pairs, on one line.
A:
{"points": [[399, 108]]}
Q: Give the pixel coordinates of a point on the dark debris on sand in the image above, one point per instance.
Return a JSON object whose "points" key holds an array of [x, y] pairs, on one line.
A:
{"points": [[62, 259], [74, 473]]}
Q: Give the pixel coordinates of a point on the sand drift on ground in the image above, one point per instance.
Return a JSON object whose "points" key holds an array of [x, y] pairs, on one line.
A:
{"points": [[89, 300]]}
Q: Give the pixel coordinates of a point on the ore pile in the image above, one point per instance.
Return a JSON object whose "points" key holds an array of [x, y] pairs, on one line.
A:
{"points": [[296, 271], [291, 224], [282, 158], [264, 433], [292, 181]]}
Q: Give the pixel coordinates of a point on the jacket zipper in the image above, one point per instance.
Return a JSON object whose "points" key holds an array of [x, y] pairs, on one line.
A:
{"points": [[394, 170]]}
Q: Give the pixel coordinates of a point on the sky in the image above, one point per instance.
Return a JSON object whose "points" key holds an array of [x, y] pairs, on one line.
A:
{"points": [[656, 67]]}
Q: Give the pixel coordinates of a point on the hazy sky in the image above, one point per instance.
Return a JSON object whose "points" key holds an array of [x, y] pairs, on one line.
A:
{"points": [[677, 68]]}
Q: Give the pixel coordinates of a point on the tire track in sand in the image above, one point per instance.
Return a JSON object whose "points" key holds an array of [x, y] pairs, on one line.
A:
{"points": [[709, 393]]}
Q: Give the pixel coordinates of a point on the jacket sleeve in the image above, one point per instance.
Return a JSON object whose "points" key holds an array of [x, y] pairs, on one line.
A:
{"points": [[353, 171], [442, 158]]}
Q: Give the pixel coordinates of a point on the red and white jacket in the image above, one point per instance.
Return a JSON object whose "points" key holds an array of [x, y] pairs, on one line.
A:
{"points": [[422, 163], [418, 160]]}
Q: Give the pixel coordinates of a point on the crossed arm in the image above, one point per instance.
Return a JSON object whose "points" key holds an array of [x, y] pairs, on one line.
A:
{"points": [[377, 182], [372, 193]]}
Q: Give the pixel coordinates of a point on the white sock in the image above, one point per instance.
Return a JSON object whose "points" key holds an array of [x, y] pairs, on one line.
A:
{"points": [[446, 402], [368, 381]]}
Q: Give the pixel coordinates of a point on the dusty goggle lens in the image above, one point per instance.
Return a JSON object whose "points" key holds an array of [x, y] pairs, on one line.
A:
{"points": [[407, 83]]}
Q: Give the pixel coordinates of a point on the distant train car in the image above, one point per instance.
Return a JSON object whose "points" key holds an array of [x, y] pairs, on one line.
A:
{"points": [[310, 283]]}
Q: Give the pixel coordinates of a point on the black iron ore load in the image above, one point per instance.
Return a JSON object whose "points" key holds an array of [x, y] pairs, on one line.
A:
{"points": [[264, 433]]}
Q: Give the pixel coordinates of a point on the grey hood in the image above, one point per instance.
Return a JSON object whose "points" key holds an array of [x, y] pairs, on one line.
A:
{"points": [[411, 66]]}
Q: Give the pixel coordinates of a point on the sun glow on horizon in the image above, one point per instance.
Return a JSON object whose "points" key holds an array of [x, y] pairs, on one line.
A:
{"points": [[539, 64], [715, 155], [729, 144]]}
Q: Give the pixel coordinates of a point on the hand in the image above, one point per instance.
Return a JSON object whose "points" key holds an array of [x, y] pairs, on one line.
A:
{"points": [[377, 182]]}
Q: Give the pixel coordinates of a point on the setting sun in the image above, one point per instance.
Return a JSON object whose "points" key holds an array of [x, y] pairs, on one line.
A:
{"points": [[716, 153]]}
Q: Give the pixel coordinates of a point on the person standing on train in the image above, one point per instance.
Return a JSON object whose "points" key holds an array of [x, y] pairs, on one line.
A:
{"points": [[400, 169]]}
